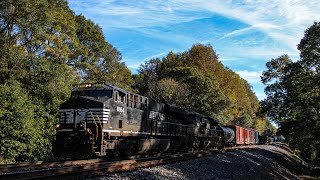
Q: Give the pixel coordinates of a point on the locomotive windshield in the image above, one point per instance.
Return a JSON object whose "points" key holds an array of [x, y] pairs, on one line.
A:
{"points": [[93, 93]]}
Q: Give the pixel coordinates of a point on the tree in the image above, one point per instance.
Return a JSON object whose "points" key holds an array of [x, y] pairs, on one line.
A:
{"points": [[205, 95], [275, 90], [148, 73], [205, 82], [293, 94], [45, 50], [18, 134], [97, 60], [309, 48], [37, 38], [169, 90]]}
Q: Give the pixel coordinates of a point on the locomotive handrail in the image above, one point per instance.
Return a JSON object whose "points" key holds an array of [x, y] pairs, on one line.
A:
{"points": [[94, 120], [99, 121]]}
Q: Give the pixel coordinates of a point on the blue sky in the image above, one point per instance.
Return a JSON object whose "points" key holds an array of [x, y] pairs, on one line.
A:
{"points": [[245, 34]]}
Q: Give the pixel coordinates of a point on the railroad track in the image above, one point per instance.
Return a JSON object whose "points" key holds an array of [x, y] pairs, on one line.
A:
{"points": [[5, 168], [94, 166]]}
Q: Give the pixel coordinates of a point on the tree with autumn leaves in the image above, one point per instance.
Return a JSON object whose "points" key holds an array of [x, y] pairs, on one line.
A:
{"points": [[196, 80]]}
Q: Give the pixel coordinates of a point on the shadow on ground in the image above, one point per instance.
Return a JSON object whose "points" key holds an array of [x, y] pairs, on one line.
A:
{"points": [[263, 162]]}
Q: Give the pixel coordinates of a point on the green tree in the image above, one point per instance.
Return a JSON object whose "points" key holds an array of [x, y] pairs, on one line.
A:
{"points": [[37, 38], [205, 96], [169, 90], [45, 50], [148, 74], [293, 94], [18, 132], [273, 77], [202, 64], [97, 60]]}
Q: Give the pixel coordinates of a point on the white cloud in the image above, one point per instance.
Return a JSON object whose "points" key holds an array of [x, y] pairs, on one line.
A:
{"points": [[250, 76], [237, 32], [154, 56], [282, 21], [135, 14], [133, 66]]}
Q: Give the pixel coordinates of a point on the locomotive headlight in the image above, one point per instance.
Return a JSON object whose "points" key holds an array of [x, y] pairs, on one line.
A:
{"points": [[56, 126]]}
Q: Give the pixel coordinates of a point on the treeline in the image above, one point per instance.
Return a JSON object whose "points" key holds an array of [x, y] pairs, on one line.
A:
{"points": [[197, 80], [293, 95], [46, 50]]}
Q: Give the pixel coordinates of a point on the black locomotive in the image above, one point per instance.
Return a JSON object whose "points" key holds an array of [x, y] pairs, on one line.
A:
{"points": [[101, 119]]}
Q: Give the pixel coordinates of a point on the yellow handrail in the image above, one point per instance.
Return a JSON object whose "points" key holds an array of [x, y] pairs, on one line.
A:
{"points": [[96, 125], [99, 121]]}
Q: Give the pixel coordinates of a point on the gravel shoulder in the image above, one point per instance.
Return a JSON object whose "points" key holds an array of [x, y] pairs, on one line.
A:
{"points": [[254, 162]]}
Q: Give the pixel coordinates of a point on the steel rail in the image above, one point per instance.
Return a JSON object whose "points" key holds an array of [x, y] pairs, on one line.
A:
{"points": [[103, 167], [98, 166]]}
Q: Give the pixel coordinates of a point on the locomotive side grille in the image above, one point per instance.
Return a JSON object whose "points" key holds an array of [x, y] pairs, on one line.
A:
{"points": [[86, 115], [66, 116], [96, 115]]}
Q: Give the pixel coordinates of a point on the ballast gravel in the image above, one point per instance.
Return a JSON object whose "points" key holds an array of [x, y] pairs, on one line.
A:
{"points": [[259, 162]]}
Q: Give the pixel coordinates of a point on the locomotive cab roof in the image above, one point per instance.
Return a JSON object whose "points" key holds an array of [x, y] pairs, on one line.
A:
{"points": [[97, 86]]}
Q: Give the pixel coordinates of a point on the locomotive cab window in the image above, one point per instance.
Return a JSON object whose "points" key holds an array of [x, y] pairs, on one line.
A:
{"points": [[120, 96], [123, 98], [136, 101], [131, 103], [128, 100], [116, 95]]}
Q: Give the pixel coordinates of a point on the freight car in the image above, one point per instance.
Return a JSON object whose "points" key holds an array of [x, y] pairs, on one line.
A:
{"points": [[102, 119]]}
